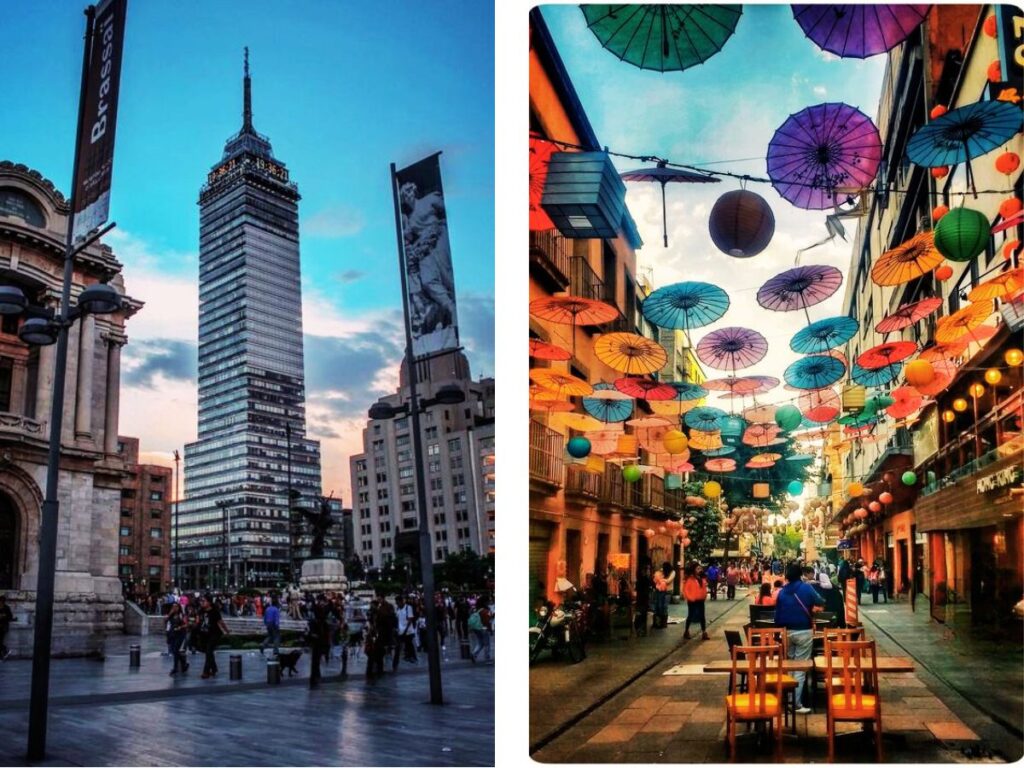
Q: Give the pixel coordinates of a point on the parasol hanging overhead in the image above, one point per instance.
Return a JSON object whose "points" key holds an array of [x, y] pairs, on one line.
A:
{"points": [[543, 350], [876, 377], [564, 384], [630, 353], [908, 314], [540, 155], [662, 38], [688, 391], [965, 133], [799, 288], [705, 418], [732, 348], [663, 175], [608, 404], [999, 287], [822, 152], [645, 389], [573, 310], [685, 306], [814, 372], [908, 261], [883, 355], [964, 323], [858, 31], [823, 335]]}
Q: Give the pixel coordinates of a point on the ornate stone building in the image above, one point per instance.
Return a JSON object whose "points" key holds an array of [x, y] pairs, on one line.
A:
{"points": [[33, 221]]}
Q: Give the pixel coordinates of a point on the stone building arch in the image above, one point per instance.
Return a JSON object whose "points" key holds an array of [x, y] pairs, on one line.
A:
{"points": [[21, 501]]}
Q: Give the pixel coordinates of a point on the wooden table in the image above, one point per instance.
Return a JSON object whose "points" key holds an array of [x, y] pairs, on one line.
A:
{"points": [[886, 665], [788, 665]]}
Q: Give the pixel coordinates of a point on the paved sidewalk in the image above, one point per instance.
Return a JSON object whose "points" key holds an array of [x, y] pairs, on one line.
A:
{"points": [[676, 713], [561, 692], [103, 713]]}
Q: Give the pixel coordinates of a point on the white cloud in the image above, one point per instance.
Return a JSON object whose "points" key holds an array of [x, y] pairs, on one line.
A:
{"points": [[820, 91], [334, 221]]}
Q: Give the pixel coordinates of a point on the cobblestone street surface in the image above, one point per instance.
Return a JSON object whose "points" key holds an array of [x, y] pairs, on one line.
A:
{"points": [[103, 713], [680, 716]]}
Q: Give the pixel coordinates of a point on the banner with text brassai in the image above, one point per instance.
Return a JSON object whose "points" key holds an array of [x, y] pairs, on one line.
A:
{"points": [[428, 260], [99, 120]]}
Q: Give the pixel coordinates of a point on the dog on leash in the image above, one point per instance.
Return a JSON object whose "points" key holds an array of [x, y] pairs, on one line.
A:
{"points": [[288, 660]]}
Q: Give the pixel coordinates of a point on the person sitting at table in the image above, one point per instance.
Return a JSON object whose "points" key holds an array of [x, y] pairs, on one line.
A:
{"points": [[765, 596], [775, 588], [793, 610]]}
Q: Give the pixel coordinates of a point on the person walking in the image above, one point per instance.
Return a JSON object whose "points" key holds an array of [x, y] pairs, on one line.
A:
{"points": [[6, 617], [662, 586], [480, 626], [793, 607], [272, 622], [860, 578], [319, 639], [695, 590], [732, 576], [713, 574], [406, 631], [177, 628], [211, 629]]}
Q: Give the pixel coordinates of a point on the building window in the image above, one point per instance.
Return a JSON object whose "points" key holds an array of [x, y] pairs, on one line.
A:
{"points": [[126, 530], [402, 424], [156, 533], [434, 466], [124, 551], [154, 570], [155, 551], [127, 493], [126, 512], [404, 473], [430, 433], [6, 382], [433, 449], [406, 489], [454, 446], [156, 495], [155, 512]]}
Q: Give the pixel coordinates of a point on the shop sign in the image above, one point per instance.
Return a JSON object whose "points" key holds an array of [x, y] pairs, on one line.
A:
{"points": [[1010, 32], [1000, 479], [845, 544]]}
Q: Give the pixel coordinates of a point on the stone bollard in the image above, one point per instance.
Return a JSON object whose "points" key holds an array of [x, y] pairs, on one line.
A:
{"points": [[235, 666], [273, 672], [134, 656]]}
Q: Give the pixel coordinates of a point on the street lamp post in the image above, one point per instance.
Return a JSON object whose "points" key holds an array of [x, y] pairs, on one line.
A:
{"points": [[177, 494]]}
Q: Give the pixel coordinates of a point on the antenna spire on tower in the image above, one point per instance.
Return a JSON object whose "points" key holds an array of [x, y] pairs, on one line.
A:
{"points": [[247, 99]]}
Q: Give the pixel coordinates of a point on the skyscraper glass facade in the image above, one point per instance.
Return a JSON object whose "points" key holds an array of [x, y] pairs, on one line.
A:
{"points": [[234, 524]]}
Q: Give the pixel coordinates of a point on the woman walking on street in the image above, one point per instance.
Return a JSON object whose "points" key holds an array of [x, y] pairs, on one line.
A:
{"points": [[211, 629], [176, 631], [662, 586], [695, 590]]}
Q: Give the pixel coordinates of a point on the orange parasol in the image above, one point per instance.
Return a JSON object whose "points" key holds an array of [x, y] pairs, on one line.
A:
{"points": [[720, 465], [939, 352], [630, 353], [560, 382], [906, 400], [1000, 286], [540, 156], [962, 323], [572, 310], [581, 422], [914, 258], [705, 441], [673, 407], [551, 406], [543, 350]]}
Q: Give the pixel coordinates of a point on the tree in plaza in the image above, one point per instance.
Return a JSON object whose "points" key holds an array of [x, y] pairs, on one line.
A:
{"points": [[702, 524], [787, 545], [465, 570], [354, 569]]}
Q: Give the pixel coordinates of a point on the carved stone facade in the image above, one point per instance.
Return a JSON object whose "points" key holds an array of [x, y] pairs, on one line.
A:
{"points": [[33, 220]]}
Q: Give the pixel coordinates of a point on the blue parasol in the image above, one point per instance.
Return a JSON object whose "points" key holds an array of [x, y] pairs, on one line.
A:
{"points": [[814, 372], [725, 450], [965, 133], [705, 418], [606, 409], [800, 457], [878, 377], [685, 305], [688, 391], [823, 335]]}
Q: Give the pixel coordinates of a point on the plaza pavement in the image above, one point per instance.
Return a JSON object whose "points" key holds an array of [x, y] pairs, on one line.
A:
{"points": [[104, 713], [680, 717]]}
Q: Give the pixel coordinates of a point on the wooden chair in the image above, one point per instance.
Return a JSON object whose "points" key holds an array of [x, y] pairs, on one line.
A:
{"points": [[765, 613], [733, 638], [778, 636], [834, 634], [859, 700], [763, 700]]}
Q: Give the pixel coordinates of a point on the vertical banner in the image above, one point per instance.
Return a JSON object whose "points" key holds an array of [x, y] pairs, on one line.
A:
{"points": [[852, 604], [428, 261], [91, 185]]}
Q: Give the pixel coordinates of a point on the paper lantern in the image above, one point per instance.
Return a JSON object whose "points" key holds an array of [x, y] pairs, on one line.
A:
{"points": [[976, 390], [760, 491], [875, 506], [1013, 357], [788, 417], [712, 489], [860, 514], [686, 542], [939, 211], [962, 234], [795, 488], [649, 533], [674, 441], [919, 373], [662, 529], [626, 445], [993, 376], [631, 473], [854, 489], [583, 195], [889, 477], [578, 447], [853, 397], [943, 272], [938, 111], [1008, 162], [1010, 248], [741, 223], [995, 72], [941, 172], [673, 482], [909, 478], [948, 416], [885, 497], [990, 27], [1010, 207], [931, 477], [683, 533], [959, 405], [733, 426]]}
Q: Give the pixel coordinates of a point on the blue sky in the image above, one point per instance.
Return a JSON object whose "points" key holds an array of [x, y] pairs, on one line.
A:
{"points": [[341, 90], [724, 110]]}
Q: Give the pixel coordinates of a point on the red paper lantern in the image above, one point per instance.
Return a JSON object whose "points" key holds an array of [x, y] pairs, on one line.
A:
{"points": [[1010, 207], [1008, 162], [683, 533], [885, 497], [1010, 249], [938, 111], [941, 172], [943, 273], [989, 27], [860, 514], [995, 72], [874, 506], [939, 211], [686, 542]]}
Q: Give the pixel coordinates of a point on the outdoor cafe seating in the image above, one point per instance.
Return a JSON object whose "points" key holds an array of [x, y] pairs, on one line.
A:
{"points": [[779, 637], [857, 697], [762, 701]]}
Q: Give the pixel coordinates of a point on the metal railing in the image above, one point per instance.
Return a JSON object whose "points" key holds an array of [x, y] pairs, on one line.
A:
{"points": [[614, 487], [546, 451], [652, 488], [556, 249], [583, 281], [582, 483], [959, 473]]}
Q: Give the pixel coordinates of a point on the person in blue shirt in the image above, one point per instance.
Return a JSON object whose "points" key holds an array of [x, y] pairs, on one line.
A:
{"points": [[794, 607], [712, 575], [272, 621]]}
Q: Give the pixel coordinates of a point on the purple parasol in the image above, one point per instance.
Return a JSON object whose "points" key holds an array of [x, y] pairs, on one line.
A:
{"points": [[799, 288], [732, 348], [859, 31], [822, 152]]}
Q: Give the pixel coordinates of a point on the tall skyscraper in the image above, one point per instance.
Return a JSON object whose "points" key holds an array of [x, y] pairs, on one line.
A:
{"points": [[252, 446]]}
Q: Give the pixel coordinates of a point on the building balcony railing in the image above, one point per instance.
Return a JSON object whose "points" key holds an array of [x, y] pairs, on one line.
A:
{"points": [[550, 255], [583, 281], [652, 492], [546, 451], [21, 426], [614, 487], [579, 482]]}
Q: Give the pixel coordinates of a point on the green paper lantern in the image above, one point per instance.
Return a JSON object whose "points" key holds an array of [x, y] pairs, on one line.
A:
{"points": [[909, 478], [631, 473], [788, 417], [962, 234], [578, 447], [795, 488]]}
